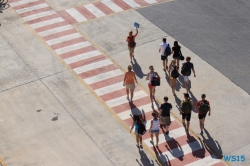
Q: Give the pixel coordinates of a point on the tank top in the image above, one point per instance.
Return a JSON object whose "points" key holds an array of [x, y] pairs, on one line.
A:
{"points": [[151, 75], [155, 125]]}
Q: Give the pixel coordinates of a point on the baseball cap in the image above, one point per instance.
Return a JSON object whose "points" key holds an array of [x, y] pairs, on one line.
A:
{"points": [[186, 94]]}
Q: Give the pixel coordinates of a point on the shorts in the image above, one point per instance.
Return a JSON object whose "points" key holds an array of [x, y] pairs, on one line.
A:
{"points": [[164, 57], [131, 49], [177, 58], [131, 87], [154, 131], [186, 79], [186, 116], [136, 132], [202, 116], [150, 85], [165, 120]]}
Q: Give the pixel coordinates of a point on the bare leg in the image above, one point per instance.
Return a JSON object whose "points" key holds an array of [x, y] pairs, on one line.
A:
{"points": [[174, 83], [127, 91], [151, 97], [157, 138], [140, 139], [186, 85], [178, 62], [188, 123], [153, 91], [151, 135], [201, 124], [166, 62], [131, 94], [137, 139], [164, 65]]}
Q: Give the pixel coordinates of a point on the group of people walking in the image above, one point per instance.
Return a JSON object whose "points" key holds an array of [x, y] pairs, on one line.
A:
{"points": [[162, 119]]}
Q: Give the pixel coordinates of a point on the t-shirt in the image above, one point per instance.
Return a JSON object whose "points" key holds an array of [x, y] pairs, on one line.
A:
{"points": [[198, 105], [166, 107], [128, 39], [176, 50], [129, 77], [189, 65], [191, 102], [163, 46]]}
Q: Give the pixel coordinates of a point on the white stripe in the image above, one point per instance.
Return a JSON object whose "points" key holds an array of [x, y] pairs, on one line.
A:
{"points": [[112, 5], [132, 3], [72, 47], [151, 1], [76, 15], [92, 66], [63, 39], [55, 30], [209, 160], [148, 122], [172, 135], [82, 56], [14, 4], [47, 22], [180, 151], [103, 76], [94, 10], [135, 111], [110, 88], [123, 99], [28, 9], [39, 15]]}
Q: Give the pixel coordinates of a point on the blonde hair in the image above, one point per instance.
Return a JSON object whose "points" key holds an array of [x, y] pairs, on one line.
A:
{"points": [[129, 67], [130, 33], [151, 67], [172, 62]]}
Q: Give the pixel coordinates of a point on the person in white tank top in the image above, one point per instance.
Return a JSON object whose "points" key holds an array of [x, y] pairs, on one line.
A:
{"points": [[151, 88], [154, 129]]}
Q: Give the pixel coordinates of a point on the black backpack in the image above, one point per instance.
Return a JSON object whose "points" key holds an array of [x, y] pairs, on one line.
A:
{"points": [[175, 73], [155, 81], [131, 41], [204, 107], [167, 51], [141, 130], [186, 71], [186, 107]]}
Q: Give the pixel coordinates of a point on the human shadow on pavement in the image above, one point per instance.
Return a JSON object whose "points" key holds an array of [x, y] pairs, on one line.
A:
{"points": [[194, 99], [144, 159], [178, 102], [56, 117], [134, 109], [137, 69], [194, 145], [181, 81], [160, 156], [174, 148], [210, 143]]}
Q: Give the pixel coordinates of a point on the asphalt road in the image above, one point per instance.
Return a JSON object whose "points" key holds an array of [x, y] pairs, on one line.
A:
{"points": [[217, 31]]}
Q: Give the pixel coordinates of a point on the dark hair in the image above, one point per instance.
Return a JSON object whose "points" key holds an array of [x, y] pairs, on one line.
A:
{"points": [[203, 96], [137, 119], [176, 44], [188, 58], [164, 40], [154, 114], [165, 98]]}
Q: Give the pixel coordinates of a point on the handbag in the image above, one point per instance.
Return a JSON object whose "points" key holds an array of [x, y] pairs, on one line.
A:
{"points": [[155, 81], [181, 56]]}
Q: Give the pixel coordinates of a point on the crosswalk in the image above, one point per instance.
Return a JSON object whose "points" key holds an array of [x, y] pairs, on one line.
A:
{"points": [[105, 78]]}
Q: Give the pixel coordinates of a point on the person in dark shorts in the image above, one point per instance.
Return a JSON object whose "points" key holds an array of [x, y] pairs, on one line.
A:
{"points": [[185, 110], [203, 106], [164, 57], [176, 50], [164, 114], [189, 66], [131, 43]]}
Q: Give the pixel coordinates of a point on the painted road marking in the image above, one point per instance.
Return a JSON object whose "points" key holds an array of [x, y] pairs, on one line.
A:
{"points": [[112, 5], [110, 88], [76, 15], [132, 3], [94, 10], [63, 39], [39, 15], [14, 4], [72, 47], [45, 23], [40, 6]]}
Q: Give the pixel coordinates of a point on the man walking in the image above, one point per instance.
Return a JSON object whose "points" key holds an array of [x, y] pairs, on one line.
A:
{"points": [[165, 51], [131, 43], [164, 114], [129, 82], [186, 71], [185, 110], [203, 106]]}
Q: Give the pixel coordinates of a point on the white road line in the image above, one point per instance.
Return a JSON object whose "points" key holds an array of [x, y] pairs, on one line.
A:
{"points": [[39, 15], [151, 1], [94, 10], [180, 151], [63, 38], [47, 22], [76, 15], [132, 3], [112, 5], [172, 135], [103, 76], [209, 160], [92, 66], [72, 47], [123, 99], [14, 4], [110, 88], [55, 30], [31, 8], [82, 56]]}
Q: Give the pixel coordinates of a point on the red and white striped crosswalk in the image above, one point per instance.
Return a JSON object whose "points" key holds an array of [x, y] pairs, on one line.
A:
{"points": [[105, 78]]}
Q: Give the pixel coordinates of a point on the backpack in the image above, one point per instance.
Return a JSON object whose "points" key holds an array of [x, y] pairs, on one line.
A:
{"points": [[131, 41], [175, 73], [167, 51], [204, 107], [141, 130], [186, 107], [155, 81], [186, 71]]}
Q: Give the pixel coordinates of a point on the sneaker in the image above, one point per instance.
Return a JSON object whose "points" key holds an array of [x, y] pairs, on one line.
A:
{"points": [[141, 147], [127, 98], [167, 132], [152, 142], [201, 133], [137, 145]]}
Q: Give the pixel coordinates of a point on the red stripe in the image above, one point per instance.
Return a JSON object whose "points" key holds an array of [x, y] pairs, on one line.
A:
{"points": [[115, 94], [59, 34], [107, 82], [11, 1], [97, 71], [145, 117], [37, 11], [87, 14], [67, 17], [77, 52], [103, 7], [122, 4], [127, 106], [219, 164], [52, 26], [141, 2], [46, 18], [87, 61], [68, 43], [26, 5]]}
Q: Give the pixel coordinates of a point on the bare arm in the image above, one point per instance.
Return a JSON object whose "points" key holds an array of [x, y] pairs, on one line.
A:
{"points": [[132, 126], [136, 32], [160, 112], [147, 76], [193, 72], [151, 125], [125, 77], [157, 75]]}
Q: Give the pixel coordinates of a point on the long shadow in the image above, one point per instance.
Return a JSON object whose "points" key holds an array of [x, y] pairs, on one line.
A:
{"points": [[144, 159], [178, 102], [137, 69], [160, 156], [174, 148], [194, 99], [200, 153], [213, 144], [4, 6], [181, 81], [178, 85]]}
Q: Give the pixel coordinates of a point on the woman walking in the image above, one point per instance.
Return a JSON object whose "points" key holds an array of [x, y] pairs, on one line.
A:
{"points": [[177, 52], [149, 77], [154, 129], [131, 43], [129, 82], [136, 123], [173, 75]]}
